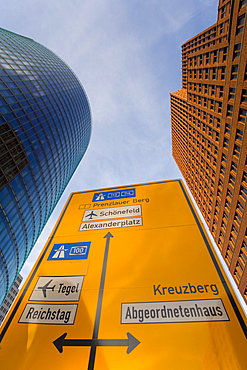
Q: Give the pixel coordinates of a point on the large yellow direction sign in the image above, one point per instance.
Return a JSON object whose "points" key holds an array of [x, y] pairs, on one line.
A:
{"points": [[127, 280]]}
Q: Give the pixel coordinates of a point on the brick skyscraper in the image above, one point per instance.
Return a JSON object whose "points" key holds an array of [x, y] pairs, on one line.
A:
{"points": [[209, 135]]}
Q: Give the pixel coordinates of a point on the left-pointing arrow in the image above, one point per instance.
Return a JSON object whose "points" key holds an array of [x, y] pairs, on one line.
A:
{"points": [[131, 342]]}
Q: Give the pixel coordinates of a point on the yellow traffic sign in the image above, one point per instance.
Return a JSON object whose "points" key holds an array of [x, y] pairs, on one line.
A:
{"points": [[127, 280]]}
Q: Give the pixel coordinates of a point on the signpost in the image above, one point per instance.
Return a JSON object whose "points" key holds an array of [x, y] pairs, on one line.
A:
{"points": [[127, 280]]}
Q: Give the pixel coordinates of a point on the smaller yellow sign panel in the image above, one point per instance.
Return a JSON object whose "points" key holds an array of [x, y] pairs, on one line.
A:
{"points": [[128, 279]]}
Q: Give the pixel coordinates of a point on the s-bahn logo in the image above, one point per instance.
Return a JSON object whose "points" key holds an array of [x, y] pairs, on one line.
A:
{"points": [[69, 251], [115, 194]]}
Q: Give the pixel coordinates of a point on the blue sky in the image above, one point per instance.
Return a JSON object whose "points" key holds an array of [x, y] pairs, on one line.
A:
{"points": [[127, 55]]}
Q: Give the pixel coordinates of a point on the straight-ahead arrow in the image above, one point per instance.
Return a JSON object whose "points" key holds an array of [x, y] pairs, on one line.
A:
{"points": [[131, 342], [92, 355]]}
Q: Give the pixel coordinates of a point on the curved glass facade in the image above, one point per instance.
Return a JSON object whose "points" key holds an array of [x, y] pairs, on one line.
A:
{"points": [[45, 127]]}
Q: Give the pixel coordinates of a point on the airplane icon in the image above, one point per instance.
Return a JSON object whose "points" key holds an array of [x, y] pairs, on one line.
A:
{"points": [[46, 287], [90, 215]]}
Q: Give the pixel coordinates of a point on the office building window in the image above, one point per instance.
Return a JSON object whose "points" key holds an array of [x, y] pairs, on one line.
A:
{"points": [[214, 73], [229, 193], [234, 74], [222, 170], [211, 104], [240, 24], [238, 272], [224, 54], [232, 180], [220, 184], [244, 179], [234, 167], [239, 135], [237, 150], [221, 91], [232, 92], [243, 192], [235, 229], [229, 110], [222, 73], [219, 107], [237, 50], [243, 257], [215, 56], [223, 11], [233, 238], [240, 207], [222, 27], [226, 143], [244, 96], [237, 218], [213, 90], [224, 158], [242, 115], [244, 250], [228, 205], [229, 253], [12, 154]]}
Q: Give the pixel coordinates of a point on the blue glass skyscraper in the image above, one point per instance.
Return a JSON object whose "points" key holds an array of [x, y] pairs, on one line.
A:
{"points": [[45, 127]]}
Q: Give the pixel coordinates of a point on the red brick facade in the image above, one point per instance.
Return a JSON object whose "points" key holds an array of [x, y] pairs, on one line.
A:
{"points": [[209, 131]]}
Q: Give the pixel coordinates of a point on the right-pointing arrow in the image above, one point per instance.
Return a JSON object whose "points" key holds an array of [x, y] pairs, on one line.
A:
{"points": [[131, 342]]}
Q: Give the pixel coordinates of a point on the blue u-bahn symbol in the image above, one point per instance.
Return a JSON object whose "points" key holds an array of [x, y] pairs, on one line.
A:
{"points": [[69, 251]]}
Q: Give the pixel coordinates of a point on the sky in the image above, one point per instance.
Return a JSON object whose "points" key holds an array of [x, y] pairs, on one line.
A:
{"points": [[127, 55]]}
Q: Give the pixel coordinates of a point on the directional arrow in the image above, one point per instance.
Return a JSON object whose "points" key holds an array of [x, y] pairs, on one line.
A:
{"points": [[131, 342], [91, 361]]}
